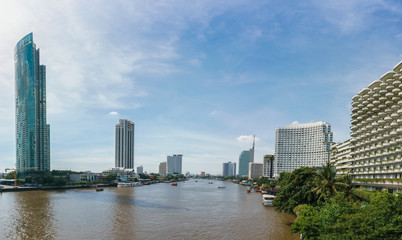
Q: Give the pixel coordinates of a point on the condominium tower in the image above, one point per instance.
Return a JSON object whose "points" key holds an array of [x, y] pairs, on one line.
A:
{"points": [[174, 163], [32, 131], [162, 168], [255, 170], [268, 166], [245, 158], [124, 144], [377, 132], [298, 145], [228, 169]]}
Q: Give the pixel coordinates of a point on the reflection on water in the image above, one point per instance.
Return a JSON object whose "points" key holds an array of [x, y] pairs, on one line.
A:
{"points": [[192, 210]]}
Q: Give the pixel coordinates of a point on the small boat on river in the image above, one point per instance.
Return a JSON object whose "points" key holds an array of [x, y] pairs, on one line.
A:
{"points": [[99, 189], [267, 200], [174, 184]]}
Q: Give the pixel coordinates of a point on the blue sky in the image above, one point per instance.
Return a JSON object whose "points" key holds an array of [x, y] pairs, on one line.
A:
{"points": [[196, 77]]}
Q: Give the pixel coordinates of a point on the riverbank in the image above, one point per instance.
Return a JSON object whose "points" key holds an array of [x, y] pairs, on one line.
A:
{"points": [[50, 188]]}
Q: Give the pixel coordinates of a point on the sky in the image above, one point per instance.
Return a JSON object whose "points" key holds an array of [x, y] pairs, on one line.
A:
{"points": [[197, 78]]}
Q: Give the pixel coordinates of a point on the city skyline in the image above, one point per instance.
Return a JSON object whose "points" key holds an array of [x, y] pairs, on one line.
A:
{"points": [[197, 79]]}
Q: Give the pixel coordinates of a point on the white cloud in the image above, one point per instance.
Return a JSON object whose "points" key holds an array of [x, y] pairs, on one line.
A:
{"points": [[247, 139], [113, 113], [295, 122]]}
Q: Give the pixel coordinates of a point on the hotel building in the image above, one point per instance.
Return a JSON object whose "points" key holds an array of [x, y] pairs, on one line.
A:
{"points": [[299, 145], [268, 166], [32, 131], [162, 168], [376, 132], [255, 170], [174, 164], [341, 156], [124, 144]]}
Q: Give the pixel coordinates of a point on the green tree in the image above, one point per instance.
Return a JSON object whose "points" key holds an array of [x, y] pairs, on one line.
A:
{"points": [[111, 177], [295, 189], [326, 183], [10, 175]]}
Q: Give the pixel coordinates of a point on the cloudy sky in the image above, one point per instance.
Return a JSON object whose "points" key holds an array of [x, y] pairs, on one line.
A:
{"points": [[197, 77]]}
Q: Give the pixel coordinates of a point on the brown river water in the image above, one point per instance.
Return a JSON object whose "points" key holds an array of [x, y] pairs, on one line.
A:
{"points": [[192, 210]]}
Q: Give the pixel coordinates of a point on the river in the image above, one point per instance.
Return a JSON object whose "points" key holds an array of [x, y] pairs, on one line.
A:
{"points": [[192, 210]]}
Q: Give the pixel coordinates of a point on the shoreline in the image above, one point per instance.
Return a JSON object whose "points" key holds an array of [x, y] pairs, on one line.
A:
{"points": [[49, 188]]}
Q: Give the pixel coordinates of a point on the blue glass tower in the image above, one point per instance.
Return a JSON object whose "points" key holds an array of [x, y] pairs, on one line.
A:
{"points": [[32, 132]]}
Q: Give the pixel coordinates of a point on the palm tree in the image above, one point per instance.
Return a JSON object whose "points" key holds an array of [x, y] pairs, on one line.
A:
{"points": [[326, 183]]}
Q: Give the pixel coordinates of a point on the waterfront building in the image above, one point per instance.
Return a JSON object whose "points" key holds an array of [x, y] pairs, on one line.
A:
{"points": [[299, 145], [174, 164], [140, 169], [124, 144], [32, 131], [162, 168], [202, 174], [245, 158], [341, 156], [255, 170], [268, 166], [229, 169], [376, 132]]}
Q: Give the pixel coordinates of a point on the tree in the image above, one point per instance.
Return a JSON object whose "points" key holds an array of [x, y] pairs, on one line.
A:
{"points": [[338, 218], [295, 189], [326, 183], [111, 177], [10, 175]]}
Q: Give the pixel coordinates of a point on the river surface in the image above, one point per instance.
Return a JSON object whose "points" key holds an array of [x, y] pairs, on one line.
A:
{"points": [[192, 210]]}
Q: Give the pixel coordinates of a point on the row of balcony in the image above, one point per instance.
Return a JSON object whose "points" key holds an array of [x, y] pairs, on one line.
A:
{"points": [[384, 171]]}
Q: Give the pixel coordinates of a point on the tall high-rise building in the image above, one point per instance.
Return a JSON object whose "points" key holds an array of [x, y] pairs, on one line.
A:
{"points": [[124, 144], [299, 145], [32, 131], [268, 166], [376, 143], [229, 169], [255, 170], [174, 164], [162, 168], [245, 158]]}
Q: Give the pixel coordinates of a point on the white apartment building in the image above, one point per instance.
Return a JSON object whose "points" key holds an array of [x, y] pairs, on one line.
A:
{"points": [[162, 168], [377, 132], [298, 145], [228, 169], [341, 156], [255, 170], [174, 163]]}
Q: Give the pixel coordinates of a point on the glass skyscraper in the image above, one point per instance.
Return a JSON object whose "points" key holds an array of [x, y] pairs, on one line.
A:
{"points": [[32, 131]]}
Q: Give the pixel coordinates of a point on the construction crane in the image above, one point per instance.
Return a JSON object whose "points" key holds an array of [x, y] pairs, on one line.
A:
{"points": [[15, 172]]}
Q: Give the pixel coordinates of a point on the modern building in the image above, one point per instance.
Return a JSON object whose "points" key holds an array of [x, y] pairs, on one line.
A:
{"points": [[32, 131], [162, 168], [245, 158], [229, 169], [341, 156], [377, 132], [255, 170], [174, 163], [298, 145], [268, 166], [124, 144], [140, 169]]}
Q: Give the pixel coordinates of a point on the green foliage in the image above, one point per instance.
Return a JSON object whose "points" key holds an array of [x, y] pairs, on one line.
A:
{"points": [[340, 218], [10, 175], [326, 183], [111, 177], [262, 180], [60, 181], [295, 189]]}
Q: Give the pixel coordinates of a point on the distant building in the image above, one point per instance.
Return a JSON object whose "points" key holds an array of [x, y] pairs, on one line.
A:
{"points": [[162, 168], [341, 156], [202, 174], [32, 131], [174, 164], [124, 144], [299, 145], [245, 158], [255, 170], [268, 166], [140, 169], [229, 169], [84, 177]]}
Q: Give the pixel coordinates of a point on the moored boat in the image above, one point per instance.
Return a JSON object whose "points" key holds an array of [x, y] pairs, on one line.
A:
{"points": [[267, 200]]}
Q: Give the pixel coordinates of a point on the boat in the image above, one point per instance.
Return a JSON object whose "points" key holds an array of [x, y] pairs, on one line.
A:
{"points": [[174, 184], [267, 200], [221, 187], [99, 189], [129, 184]]}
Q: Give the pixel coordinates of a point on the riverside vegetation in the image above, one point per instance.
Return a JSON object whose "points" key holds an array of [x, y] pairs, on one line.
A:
{"points": [[328, 206]]}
